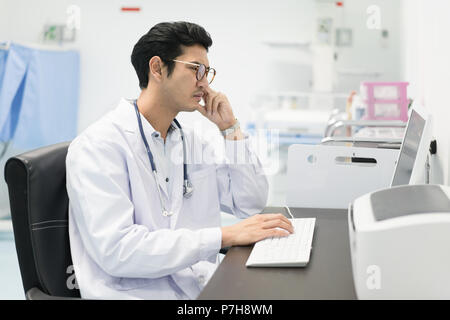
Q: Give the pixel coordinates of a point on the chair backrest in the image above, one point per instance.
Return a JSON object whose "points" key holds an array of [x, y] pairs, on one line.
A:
{"points": [[39, 211]]}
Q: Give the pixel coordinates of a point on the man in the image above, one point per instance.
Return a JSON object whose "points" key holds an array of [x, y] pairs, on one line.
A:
{"points": [[143, 225]]}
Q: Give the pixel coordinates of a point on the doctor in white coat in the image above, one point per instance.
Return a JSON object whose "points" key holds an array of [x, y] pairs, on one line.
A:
{"points": [[145, 197]]}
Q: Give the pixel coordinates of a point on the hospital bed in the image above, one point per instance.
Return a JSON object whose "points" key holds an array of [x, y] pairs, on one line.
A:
{"points": [[364, 133]]}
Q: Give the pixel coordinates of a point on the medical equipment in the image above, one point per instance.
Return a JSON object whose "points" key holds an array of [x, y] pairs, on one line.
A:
{"points": [[188, 189], [320, 176], [333, 176], [399, 243]]}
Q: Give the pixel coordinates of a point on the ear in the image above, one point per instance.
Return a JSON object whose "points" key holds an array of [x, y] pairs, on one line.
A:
{"points": [[155, 68]]}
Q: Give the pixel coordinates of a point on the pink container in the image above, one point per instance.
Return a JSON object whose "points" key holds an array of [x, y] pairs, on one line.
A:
{"points": [[385, 100]]}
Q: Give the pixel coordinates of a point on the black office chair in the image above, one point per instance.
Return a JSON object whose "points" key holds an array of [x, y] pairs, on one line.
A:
{"points": [[39, 211]]}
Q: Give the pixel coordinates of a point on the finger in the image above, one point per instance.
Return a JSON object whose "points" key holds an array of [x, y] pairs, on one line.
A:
{"points": [[208, 102], [270, 233], [276, 233], [215, 104], [207, 105], [278, 223], [279, 216], [209, 90], [202, 110], [271, 216]]}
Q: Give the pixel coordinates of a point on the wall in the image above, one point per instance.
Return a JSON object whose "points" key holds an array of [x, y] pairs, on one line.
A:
{"points": [[370, 57], [238, 28], [426, 64], [107, 36]]}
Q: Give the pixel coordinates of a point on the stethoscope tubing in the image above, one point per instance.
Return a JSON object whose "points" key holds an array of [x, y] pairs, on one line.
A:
{"points": [[187, 186]]}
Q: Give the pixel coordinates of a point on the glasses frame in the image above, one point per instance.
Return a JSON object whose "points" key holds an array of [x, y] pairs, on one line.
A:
{"points": [[207, 70]]}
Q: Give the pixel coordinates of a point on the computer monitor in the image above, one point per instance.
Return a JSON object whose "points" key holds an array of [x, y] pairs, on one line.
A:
{"points": [[410, 165]]}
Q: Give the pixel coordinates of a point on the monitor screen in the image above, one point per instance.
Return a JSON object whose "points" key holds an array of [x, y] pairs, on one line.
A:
{"points": [[409, 149]]}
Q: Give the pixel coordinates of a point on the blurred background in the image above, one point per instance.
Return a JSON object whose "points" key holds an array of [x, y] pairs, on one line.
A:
{"points": [[286, 67]]}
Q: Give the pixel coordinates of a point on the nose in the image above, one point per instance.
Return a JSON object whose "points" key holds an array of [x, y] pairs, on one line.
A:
{"points": [[203, 83]]}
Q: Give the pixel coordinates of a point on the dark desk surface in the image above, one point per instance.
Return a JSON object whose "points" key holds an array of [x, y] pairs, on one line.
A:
{"points": [[328, 274]]}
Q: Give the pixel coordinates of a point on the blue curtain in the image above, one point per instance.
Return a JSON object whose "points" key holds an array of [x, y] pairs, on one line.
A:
{"points": [[39, 96]]}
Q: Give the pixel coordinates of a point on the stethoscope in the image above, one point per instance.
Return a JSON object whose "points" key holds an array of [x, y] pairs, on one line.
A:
{"points": [[188, 189]]}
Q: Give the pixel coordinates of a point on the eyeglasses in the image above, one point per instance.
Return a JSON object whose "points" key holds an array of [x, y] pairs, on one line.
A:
{"points": [[202, 70]]}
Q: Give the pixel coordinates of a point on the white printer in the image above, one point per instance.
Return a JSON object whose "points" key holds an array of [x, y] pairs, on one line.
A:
{"points": [[400, 243]]}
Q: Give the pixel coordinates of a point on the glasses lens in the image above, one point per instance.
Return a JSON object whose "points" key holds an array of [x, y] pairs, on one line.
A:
{"points": [[201, 72], [211, 74]]}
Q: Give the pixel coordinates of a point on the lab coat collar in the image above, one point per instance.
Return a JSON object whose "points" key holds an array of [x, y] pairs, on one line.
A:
{"points": [[125, 117]]}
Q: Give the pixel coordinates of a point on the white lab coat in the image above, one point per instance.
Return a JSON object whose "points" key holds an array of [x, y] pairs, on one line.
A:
{"points": [[122, 246]]}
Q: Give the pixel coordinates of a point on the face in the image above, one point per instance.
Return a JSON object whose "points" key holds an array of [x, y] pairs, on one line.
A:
{"points": [[182, 89]]}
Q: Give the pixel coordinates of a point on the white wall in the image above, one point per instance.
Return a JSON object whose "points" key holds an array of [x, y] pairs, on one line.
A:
{"points": [[238, 29], [375, 58], [107, 36], [426, 64]]}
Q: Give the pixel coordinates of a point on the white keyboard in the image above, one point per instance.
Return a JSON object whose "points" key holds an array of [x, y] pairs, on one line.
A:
{"points": [[291, 251]]}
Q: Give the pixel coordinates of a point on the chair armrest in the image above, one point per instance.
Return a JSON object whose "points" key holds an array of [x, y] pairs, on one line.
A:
{"points": [[37, 294]]}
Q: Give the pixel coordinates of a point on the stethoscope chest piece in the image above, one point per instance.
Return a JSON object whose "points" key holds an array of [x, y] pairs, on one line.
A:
{"points": [[188, 189]]}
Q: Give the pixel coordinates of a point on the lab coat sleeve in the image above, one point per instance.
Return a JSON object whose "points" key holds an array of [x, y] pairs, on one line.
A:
{"points": [[242, 183], [99, 194]]}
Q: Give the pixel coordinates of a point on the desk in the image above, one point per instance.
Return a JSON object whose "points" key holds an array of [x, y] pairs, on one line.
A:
{"points": [[327, 276]]}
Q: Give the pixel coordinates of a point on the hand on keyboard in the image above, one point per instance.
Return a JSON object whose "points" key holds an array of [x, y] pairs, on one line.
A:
{"points": [[290, 251], [256, 228]]}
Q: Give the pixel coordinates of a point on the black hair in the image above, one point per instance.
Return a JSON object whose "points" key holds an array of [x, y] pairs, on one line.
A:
{"points": [[165, 40]]}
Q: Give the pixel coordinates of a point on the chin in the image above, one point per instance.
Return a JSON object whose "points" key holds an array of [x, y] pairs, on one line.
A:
{"points": [[190, 108]]}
